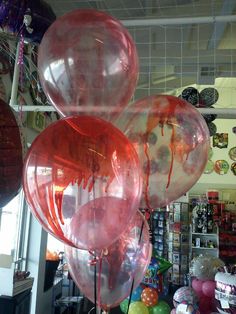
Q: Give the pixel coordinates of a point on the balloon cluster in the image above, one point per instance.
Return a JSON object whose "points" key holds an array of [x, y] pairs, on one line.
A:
{"points": [[82, 175], [205, 99], [145, 300], [204, 268]]}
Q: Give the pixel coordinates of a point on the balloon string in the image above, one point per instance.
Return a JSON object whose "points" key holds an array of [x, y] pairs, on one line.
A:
{"points": [[99, 282], [132, 286], [148, 170], [172, 157], [95, 287]]}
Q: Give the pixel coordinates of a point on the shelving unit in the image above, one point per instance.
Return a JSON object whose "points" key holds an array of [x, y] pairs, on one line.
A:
{"points": [[178, 244], [204, 243]]}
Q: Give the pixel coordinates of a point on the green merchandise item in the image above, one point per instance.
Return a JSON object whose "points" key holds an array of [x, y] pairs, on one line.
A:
{"points": [[163, 264], [124, 306], [161, 308]]}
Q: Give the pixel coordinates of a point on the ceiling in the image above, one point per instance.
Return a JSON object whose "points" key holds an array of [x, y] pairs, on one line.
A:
{"points": [[177, 51]]}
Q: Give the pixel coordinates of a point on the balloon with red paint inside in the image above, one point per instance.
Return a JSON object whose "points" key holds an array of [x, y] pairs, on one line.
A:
{"points": [[88, 60], [11, 155], [172, 141], [116, 266], [82, 180]]}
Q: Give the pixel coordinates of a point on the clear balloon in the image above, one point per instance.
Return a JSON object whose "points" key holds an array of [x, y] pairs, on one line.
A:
{"points": [[82, 179], [117, 266], [172, 141], [204, 267], [87, 59]]}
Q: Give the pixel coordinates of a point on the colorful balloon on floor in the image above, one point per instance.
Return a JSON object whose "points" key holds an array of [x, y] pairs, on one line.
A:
{"points": [[88, 60], [161, 308], [138, 308], [172, 141], [82, 179], [149, 297], [117, 266]]}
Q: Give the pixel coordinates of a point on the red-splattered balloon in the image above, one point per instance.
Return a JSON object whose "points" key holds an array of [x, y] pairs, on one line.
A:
{"points": [[117, 266], [87, 59], [11, 160], [149, 297], [172, 141], [82, 180]]}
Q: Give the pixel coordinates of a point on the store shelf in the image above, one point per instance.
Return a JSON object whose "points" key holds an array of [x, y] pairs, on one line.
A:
{"points": [[204, 248], [204, 234]]}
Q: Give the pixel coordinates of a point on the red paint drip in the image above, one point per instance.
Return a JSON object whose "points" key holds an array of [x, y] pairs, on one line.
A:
{"points": [[172, 157], [162, 130]]}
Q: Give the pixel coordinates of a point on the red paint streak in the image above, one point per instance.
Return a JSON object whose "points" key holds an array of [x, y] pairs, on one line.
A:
{"points": [[172, 157], [162, 130]]}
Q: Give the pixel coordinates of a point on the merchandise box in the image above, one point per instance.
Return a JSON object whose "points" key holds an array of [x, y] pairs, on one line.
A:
{"points": [[176, 258], [176, 268], [176, 237], [184, 259], [184, 249]]}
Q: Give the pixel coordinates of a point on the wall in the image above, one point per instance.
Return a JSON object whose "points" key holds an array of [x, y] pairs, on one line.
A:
{"points": [[214, 180]]}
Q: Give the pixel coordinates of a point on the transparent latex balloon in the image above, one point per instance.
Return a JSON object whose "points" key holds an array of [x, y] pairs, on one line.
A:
{"points": [[88, 60], [82, 180], [116, 266], [172, 141]]}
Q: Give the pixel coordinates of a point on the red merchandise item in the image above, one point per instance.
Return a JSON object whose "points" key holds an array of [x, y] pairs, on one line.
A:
{"points": [[11, 160], [82, 180]]}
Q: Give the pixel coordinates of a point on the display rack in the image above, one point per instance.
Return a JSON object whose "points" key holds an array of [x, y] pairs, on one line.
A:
{"points": [[178, 243], [204, 235], [204, 243]]}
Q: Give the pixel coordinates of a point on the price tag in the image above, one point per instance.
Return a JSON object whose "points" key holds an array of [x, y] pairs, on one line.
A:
{"points": [[224, 304], [182, 308]]}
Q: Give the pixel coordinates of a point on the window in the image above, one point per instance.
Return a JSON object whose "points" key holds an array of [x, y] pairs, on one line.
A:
{"points": [[14, 228]]}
